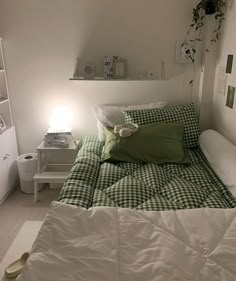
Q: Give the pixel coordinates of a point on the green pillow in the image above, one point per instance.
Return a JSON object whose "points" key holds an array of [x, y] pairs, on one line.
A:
{"points": [[181, 113], [153, 143]]}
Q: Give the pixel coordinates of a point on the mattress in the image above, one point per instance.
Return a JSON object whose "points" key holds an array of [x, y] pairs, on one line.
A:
{"points": [[150, 187]]}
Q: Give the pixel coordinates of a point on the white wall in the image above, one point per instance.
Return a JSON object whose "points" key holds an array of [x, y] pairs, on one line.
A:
{"points": [[42, 40], [224, 117]]}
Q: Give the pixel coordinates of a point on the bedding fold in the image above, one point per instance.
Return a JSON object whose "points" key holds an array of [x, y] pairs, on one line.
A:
{"points": [[107, 243]]}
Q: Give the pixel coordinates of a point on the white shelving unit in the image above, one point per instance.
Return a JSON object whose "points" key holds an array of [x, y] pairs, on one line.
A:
{"points": [[5, 107], [8, 145]]}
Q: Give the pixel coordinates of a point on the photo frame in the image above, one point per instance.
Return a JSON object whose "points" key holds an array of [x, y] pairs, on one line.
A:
{"points": [[2, 124], [221, 80], [120, 69], [87, 70], [108, 66], [230, 97]]}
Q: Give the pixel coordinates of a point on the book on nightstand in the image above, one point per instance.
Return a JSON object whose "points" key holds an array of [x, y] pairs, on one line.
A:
{"points": [[60, 139], [58, 132]]}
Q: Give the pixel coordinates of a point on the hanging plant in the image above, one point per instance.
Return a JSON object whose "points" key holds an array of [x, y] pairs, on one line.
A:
{"points": [[194, 33]]}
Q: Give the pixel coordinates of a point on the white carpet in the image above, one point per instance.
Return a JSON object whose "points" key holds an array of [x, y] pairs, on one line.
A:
{"points": [[22, 243]]}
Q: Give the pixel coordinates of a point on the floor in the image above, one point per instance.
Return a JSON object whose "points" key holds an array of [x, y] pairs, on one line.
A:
{"points": [[17, 209]]}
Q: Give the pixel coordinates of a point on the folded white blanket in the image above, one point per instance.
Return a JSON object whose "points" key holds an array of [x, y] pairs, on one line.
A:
{"points": [[111, 244]]}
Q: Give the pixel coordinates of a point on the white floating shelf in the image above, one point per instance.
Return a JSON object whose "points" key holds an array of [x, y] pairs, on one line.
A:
{"points": [[114, 80]]}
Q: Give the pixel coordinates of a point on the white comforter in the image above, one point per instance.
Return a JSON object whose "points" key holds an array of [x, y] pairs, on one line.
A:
{"points": [[111, 244]]}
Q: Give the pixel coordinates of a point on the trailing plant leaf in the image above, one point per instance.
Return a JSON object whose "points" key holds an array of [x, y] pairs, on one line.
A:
{"points": [[194, 33]]}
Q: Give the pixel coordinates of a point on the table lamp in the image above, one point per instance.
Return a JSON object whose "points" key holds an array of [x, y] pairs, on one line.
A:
{"points": [[60, 122]]}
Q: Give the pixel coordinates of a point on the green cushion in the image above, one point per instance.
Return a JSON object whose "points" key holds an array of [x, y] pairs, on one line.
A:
{"points": [[153, 143]]}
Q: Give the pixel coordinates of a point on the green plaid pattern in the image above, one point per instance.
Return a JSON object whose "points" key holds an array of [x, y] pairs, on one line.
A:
{"points": [[143, 186], [79, 185], [182, 113]]}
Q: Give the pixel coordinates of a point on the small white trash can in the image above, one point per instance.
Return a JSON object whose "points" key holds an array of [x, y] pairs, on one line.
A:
{"points": [[27, 166]]}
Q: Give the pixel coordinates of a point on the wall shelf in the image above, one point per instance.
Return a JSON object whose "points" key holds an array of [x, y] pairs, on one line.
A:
{"points": [[114, 80]]}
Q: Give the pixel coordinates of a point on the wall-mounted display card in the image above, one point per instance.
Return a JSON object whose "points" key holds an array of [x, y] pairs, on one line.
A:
{"points": [[221, 80], [230, 97], [229, 64]]}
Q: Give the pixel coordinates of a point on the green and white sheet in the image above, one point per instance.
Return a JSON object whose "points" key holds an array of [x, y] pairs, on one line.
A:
{"points": [[143, 186]]}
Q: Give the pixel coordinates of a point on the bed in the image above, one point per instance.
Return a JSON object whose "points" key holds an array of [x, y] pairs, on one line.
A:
{"points": [[117, 220], [143, 186]]}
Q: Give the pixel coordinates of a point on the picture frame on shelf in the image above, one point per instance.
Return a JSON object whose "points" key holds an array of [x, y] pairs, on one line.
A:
{"points": [[108, 66], [88, 71], [2, 124], [120, 69]]}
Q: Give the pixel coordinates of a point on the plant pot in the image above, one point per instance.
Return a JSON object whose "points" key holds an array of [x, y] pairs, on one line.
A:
{"points": [[210, 7]]}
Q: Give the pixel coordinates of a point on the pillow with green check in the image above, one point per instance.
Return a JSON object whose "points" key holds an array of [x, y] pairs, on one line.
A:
{"points": [[153, 143]]}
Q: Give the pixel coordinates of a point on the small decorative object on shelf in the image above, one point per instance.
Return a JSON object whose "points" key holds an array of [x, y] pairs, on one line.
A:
{"points": [[2, 125], [140, 76], [151, 75], [76, 72], [120, 69], [88, 71], [108, 66], [163, 70]]}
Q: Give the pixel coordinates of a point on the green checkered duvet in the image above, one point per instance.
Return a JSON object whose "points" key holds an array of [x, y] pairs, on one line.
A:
{"points": [[143, 186]]}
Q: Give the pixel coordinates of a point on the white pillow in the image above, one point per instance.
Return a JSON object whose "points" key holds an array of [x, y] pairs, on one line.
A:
{"points": [[112, 115], [221, 154]]}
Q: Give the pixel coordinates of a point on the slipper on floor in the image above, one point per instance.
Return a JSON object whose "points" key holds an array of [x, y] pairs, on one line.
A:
{"points": [[15, 268]]}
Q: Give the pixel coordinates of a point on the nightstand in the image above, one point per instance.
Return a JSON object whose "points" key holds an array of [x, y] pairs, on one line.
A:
{"points": [[54, 164]]}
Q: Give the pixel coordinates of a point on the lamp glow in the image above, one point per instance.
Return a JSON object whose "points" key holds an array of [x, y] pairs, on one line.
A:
{"points": [[60, 119]]}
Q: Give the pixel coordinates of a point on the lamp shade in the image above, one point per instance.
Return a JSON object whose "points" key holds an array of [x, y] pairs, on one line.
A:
{"points": [[60, 119]]}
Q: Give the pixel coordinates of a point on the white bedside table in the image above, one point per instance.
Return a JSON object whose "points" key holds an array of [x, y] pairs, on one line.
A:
{"points": [[56, 170]]}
